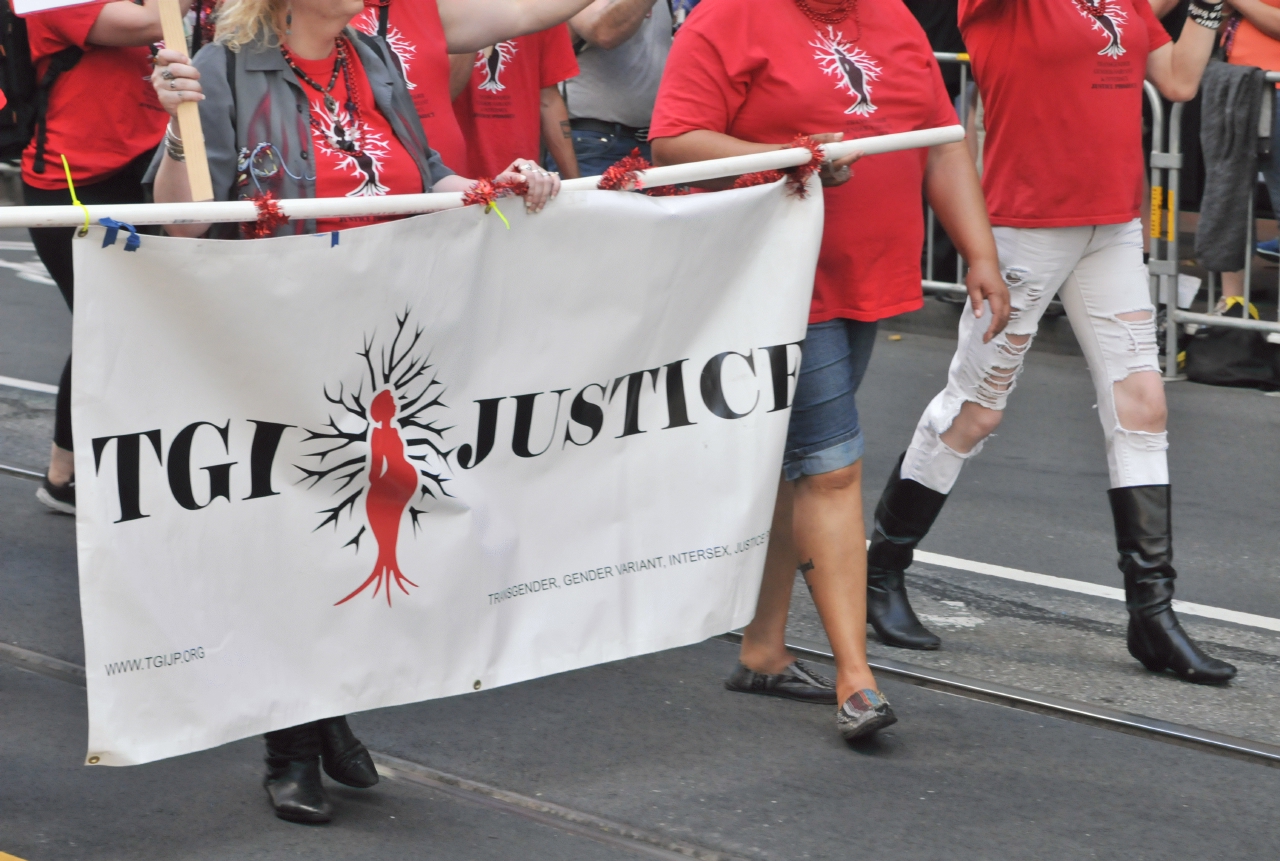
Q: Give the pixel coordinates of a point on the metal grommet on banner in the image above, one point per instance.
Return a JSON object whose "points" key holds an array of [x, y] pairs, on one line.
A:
{"points": [[476, 686], [94, 760], [75, 201]]}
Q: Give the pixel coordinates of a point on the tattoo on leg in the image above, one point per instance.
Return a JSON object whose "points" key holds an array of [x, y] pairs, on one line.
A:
{"points": [[805, 568], [566, 129]]}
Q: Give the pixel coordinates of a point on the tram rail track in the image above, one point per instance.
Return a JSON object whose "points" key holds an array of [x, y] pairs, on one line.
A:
{"points": [[19, 472], [1114, 720], [618, 835]]}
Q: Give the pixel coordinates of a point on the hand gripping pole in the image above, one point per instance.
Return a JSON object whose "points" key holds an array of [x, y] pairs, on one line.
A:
{"points": [[197, 162]]}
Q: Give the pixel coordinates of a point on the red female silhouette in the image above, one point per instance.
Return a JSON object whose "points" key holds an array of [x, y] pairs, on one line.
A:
{"points": [[392, 483]]}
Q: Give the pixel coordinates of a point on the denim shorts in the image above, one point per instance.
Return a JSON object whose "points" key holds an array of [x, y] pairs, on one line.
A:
{"points": [[824, 435]]}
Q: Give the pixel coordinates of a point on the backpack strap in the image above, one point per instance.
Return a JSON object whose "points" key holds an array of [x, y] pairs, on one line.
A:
{"points": [[376, 45], [197, 37], [231, 71], [63, 61], [384, 16]]}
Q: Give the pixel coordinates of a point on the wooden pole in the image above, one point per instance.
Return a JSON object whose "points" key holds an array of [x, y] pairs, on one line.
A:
{"points": [[175, 38]]}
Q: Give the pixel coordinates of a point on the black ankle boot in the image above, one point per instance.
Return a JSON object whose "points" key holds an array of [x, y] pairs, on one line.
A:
{"points": [[345, 758], [293, 775], [903, 516], [1144, 538]]}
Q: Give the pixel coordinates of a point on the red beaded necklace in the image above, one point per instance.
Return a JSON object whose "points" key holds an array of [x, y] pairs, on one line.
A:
{"points": [[835, 16], [1091, 7], [348, 140]]}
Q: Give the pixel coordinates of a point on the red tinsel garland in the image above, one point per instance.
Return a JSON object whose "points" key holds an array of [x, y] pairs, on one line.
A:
{"points": [[760, 177], [621, 175], [269, 218], [798, 177], [486, 191]]}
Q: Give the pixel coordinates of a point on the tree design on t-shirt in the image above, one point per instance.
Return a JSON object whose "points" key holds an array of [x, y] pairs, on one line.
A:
{"points": [[1107, 16], [853, 69], [492, 61], [404, 50], [364, 161]]}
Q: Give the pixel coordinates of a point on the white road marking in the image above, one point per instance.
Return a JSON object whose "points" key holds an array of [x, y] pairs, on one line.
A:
{"points": [[28, 385], [11, 245], [1066, 584], [962, 621], [32, 270]]}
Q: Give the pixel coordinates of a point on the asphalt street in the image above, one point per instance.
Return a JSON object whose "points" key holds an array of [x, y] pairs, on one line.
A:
{"points": [[655, 744], [35, 326]]}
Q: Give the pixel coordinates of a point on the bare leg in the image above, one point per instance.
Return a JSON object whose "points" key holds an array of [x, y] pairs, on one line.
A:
{"points": [[1140, 403], [831, 540], [764, 640], [974, 423], [1233, 283], [62, 465]]}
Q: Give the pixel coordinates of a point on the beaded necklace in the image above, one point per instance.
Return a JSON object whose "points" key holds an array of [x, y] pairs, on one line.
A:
{"points": [[347, 140], [835, 16]]}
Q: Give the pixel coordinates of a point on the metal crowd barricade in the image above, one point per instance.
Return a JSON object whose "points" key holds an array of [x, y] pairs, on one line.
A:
{"points": [[1162, 243], [1163, 240], [1165, 268], [931, 283]]}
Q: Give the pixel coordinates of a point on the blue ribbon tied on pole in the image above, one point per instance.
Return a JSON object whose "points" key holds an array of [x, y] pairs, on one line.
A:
{"points": [[113, 230]]}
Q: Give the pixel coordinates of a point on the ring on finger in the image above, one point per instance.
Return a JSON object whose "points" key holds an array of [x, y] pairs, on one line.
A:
{"points": [[166, 74]]}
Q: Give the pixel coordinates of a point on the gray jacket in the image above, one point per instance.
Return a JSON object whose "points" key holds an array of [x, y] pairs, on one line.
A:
{"points": [[255, 116]]}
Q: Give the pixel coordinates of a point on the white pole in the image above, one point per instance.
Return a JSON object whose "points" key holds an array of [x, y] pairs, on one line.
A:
{"points": [[410, 204]]}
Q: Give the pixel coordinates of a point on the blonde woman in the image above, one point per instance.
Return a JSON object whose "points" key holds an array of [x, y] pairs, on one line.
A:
{"points": [[297, 104]]}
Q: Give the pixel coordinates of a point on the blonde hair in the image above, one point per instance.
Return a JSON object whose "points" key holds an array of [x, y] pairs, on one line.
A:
{"points": [[241, 22]]}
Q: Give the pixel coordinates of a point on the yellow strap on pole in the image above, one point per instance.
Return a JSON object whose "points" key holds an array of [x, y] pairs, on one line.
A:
{"points": [[75, 201], [1157, 214], [175, 38], [1173, 216]]}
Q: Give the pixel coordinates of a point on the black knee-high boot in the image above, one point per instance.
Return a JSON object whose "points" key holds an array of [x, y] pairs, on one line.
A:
{"points": [[345, 758], [903, 516], [1144, 537], [293, 775]]}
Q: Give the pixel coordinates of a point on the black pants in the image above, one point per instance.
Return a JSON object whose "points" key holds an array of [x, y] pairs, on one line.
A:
{"points": [[53, 245]]}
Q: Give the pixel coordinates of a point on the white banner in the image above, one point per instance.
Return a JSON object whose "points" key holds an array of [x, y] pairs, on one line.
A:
{"points": [[26, 7], [324, 474]]}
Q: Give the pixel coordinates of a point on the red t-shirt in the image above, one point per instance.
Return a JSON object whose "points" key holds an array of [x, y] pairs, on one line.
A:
{"points": [[416, 36], [381, 166], [103, 113], [500, 110], [1062, 95], [761, 71]]}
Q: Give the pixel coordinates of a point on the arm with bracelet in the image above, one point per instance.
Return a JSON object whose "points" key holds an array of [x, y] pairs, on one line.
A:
{"points": [[1176, 68]]}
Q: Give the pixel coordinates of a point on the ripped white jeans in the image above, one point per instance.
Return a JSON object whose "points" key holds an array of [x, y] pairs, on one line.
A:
{"points": [[1098, 272]]}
